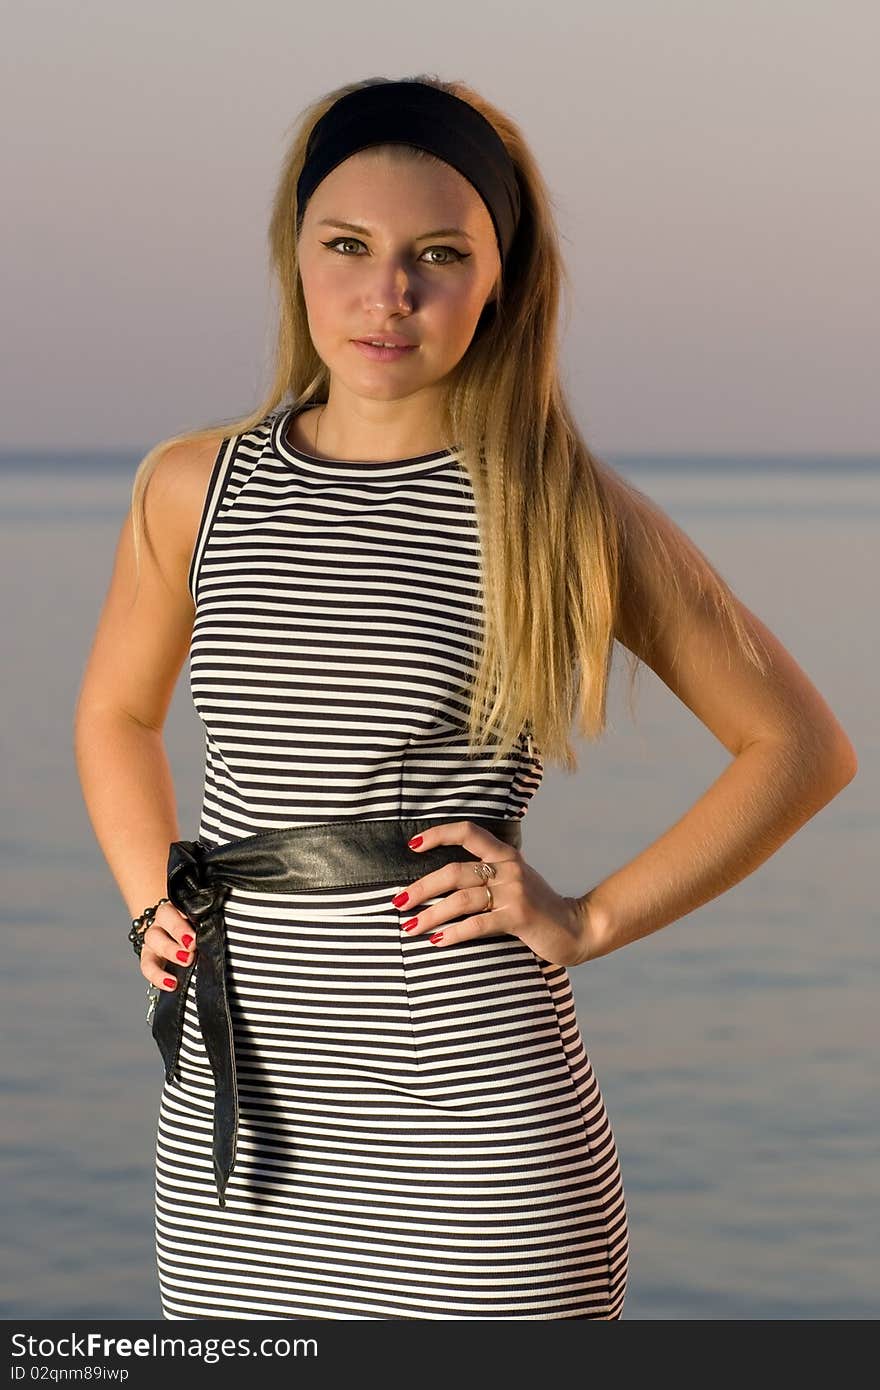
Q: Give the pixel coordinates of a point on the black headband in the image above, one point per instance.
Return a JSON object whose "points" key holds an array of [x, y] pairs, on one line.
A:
{"points": [[417, 113]]}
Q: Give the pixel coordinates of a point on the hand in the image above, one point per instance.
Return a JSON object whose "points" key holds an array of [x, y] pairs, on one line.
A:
{"points": [[171, 938], [524, 904]]}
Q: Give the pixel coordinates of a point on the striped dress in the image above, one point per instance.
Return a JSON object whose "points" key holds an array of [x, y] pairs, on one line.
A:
{"points": [[422, 1135]]}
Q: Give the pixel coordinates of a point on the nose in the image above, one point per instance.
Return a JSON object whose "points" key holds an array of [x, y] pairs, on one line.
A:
{"points": [[390, 290]]}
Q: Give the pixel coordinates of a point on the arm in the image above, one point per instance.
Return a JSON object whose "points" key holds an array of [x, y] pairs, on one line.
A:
{"points": [[791, 756], [138, 650]]}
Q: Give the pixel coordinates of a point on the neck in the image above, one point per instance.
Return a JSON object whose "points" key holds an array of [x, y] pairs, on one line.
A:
{"points": [[380, 442]]}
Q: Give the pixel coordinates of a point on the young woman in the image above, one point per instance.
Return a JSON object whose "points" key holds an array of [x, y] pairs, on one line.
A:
{"points": [[397, 589]]}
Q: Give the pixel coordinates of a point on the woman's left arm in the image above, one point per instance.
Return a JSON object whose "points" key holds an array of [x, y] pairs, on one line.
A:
{"points": [[791, 755]]}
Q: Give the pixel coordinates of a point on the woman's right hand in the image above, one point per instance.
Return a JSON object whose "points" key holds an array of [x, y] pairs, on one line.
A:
{"points": [[171, 937]]}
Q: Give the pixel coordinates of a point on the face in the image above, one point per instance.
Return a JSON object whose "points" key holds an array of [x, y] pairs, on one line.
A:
{"points": [[389, 277]]}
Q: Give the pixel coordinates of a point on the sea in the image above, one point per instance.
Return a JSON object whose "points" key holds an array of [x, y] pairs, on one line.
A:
{"points": [[736, 1048]]}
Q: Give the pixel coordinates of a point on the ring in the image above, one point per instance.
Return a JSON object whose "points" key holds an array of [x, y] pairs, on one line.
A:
{"points": [[486, 871]]}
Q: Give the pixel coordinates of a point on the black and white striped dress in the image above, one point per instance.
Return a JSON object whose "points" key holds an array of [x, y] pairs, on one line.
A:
{"points": [[422, 1135]]}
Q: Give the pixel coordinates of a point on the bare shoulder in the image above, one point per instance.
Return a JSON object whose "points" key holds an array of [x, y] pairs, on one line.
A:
{"points": [[661, 568], [680, 616], [146, 621], [174, 499]]}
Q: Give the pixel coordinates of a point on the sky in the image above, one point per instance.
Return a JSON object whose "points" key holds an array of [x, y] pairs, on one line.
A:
{"points": [[712, 164]]}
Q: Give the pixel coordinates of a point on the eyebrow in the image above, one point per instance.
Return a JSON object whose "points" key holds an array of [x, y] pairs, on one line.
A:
{"points": [[364, 231]]}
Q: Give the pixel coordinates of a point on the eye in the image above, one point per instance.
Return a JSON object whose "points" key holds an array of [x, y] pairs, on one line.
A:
{"points": [[459, 256], [341, 240], [355, 241]]}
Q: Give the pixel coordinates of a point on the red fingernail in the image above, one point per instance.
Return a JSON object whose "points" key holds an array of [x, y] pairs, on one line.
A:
{"points": [[183, 955], [166, 981], [415, 841], [187, 940], [408, 926], [400, 899], [438, 936]]}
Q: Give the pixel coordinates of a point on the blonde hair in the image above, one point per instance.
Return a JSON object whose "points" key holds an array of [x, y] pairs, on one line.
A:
{"points": [[560, 532]]}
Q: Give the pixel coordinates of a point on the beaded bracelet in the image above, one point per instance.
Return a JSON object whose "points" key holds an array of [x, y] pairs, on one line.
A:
{"points": [[140, 925]]}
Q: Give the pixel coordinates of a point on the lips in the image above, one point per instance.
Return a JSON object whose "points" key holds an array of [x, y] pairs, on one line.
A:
{"points": [[382, 354], [393, 340]]}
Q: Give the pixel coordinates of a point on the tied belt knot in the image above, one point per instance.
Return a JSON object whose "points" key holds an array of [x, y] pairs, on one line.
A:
{"points": [[330, 854]]}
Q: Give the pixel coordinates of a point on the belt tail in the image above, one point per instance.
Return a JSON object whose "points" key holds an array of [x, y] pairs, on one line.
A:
{"points": [[196, 888], [216, 1024]]}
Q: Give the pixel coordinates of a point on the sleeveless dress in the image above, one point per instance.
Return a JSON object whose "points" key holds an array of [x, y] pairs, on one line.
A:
{"points": [[421, 1132]]}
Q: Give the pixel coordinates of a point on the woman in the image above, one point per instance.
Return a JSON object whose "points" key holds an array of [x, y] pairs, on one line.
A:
{"points": [[397, 592]]}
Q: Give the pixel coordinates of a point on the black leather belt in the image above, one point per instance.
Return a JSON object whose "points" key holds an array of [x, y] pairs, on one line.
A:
{"points": [[333, 854]]}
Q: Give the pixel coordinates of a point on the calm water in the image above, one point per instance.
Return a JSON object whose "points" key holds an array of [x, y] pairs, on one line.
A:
{"points": [[736, 1048]]}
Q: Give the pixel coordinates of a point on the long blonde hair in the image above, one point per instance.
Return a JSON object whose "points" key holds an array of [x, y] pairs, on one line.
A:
{"points": [[559, 530]]}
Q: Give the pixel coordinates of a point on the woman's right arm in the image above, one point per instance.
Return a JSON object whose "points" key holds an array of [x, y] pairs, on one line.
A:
{"points": [[138, 650]]}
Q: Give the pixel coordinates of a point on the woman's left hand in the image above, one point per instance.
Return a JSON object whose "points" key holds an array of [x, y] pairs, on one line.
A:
{"points": [[523, 903]]}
